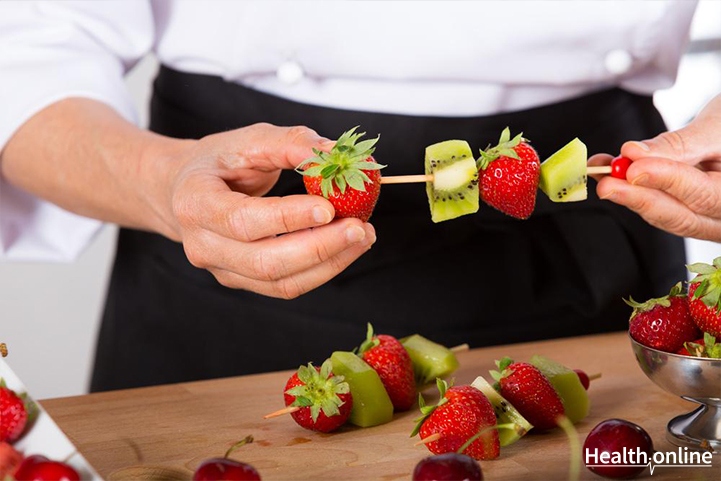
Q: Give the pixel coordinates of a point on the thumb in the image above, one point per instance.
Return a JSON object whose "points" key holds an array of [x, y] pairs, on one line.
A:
{"points": [[698, 141]]}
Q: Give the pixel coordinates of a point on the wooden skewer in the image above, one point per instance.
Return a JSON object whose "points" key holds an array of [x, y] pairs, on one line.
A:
{"points": [[461, 348], [429, 439], [280, 412], [594, 376], [406, 179], [415, 179], [601, 169]]}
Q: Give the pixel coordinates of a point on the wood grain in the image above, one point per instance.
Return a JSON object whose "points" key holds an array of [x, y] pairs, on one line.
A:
{"points": [[174, 428]]}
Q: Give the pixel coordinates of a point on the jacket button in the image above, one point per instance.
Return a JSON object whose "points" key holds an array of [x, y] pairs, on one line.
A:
{"points": [[618, 61], [289, 72]]}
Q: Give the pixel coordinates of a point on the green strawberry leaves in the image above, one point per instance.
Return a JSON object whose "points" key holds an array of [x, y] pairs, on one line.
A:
{"points": [[504, 148], [370, 342], [320, 390], [639, 307], [709, 277], [343, 166], [426, 411], [503, 370], [710, 348]]}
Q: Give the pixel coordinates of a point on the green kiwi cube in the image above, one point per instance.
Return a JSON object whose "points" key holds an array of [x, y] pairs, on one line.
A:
{"points": [[564, 176], [371, 404], [454, 189], [568, 386], [430, 359], [505, 413]]}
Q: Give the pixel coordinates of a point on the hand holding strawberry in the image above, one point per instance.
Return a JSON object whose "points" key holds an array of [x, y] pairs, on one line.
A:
{"points": [[509, 175], [348, 176]]}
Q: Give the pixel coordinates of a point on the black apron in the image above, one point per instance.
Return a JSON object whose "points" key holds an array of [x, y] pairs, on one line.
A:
{"points": [[482, 279]]}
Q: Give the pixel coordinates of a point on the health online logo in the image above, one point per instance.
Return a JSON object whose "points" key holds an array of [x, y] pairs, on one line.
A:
{"points": [[638, 458]]}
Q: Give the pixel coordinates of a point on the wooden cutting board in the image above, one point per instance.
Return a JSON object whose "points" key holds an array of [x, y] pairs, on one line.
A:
{"points": [[171, 429]]}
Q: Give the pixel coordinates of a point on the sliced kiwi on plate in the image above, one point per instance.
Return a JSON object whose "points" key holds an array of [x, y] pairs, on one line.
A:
{"points": [[563, 175], [430, 359], [505, 413], [454, 190]]}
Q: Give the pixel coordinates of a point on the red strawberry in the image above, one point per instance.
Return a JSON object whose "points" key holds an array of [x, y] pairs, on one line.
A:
{"points": [[348, 176], [325, 400], [704, 296], [706, 347], [526, 388], [13, 414], [391, 361], [9, 460], [664, 323], [509, 175], [462, 413]]}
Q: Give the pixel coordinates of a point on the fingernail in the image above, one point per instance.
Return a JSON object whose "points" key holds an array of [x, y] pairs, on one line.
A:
{"points": [[640, 180], [370, 238], [642, 146], [327, 143], [354, 234], [608, 196], [321, 215]]}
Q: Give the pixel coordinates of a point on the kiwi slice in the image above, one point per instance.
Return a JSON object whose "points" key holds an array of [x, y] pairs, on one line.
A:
{"points": [[430, 359], [454, 190], [563, 175], [568, 386], [505, 413]]}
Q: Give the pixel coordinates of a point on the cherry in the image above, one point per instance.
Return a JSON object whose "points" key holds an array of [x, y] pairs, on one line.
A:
{"points": [[584, 378], [619, 167], [225, 469], [40, 468], [612, 436], [448, 467]]}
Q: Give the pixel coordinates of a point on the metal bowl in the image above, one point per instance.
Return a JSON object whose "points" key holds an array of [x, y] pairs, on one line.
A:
{"points": [[693, 379]]}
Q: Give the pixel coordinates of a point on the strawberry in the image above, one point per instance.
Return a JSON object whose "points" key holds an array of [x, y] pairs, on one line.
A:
{"points": [[706, 347], [387, 356], [526, 388], [325, 400], [9, 460], [509, 175], [348, 176], [704, 296], [465, 420], [14, 411], [664, 323]]}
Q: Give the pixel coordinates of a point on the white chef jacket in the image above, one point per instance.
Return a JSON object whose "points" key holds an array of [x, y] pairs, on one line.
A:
{"points": [[427, 58]]}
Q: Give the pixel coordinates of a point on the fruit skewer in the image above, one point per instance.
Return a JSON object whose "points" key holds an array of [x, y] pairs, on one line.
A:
{"points": [[418, 179]]}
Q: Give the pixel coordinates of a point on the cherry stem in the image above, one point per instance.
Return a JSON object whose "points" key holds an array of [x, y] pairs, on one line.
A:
{"points": [[461, 348], [247, 440], [3, 349], [280, 412], [593, 377], [574, 447]]}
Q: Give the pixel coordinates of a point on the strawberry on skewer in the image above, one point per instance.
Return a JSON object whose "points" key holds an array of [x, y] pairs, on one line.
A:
{"points": [[348, 176]]}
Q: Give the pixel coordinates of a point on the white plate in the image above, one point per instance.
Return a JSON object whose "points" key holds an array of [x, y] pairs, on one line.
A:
{"points": [[44, 436]]}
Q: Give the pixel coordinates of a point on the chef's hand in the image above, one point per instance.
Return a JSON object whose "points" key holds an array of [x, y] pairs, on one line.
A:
{"points": [[674, 182], [228, 229]]}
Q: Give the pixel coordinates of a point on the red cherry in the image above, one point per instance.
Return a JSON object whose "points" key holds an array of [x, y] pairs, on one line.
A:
{"points": [[619, 167], [583, 378], [40, 468], [225, 469], [612, 436], [448, 467]]}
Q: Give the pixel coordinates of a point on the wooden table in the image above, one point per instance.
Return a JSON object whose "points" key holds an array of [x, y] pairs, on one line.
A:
{"points": [[176, 427]]}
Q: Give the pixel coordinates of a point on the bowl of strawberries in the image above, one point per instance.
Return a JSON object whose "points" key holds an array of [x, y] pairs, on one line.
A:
{"points": [[675, 339]]}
